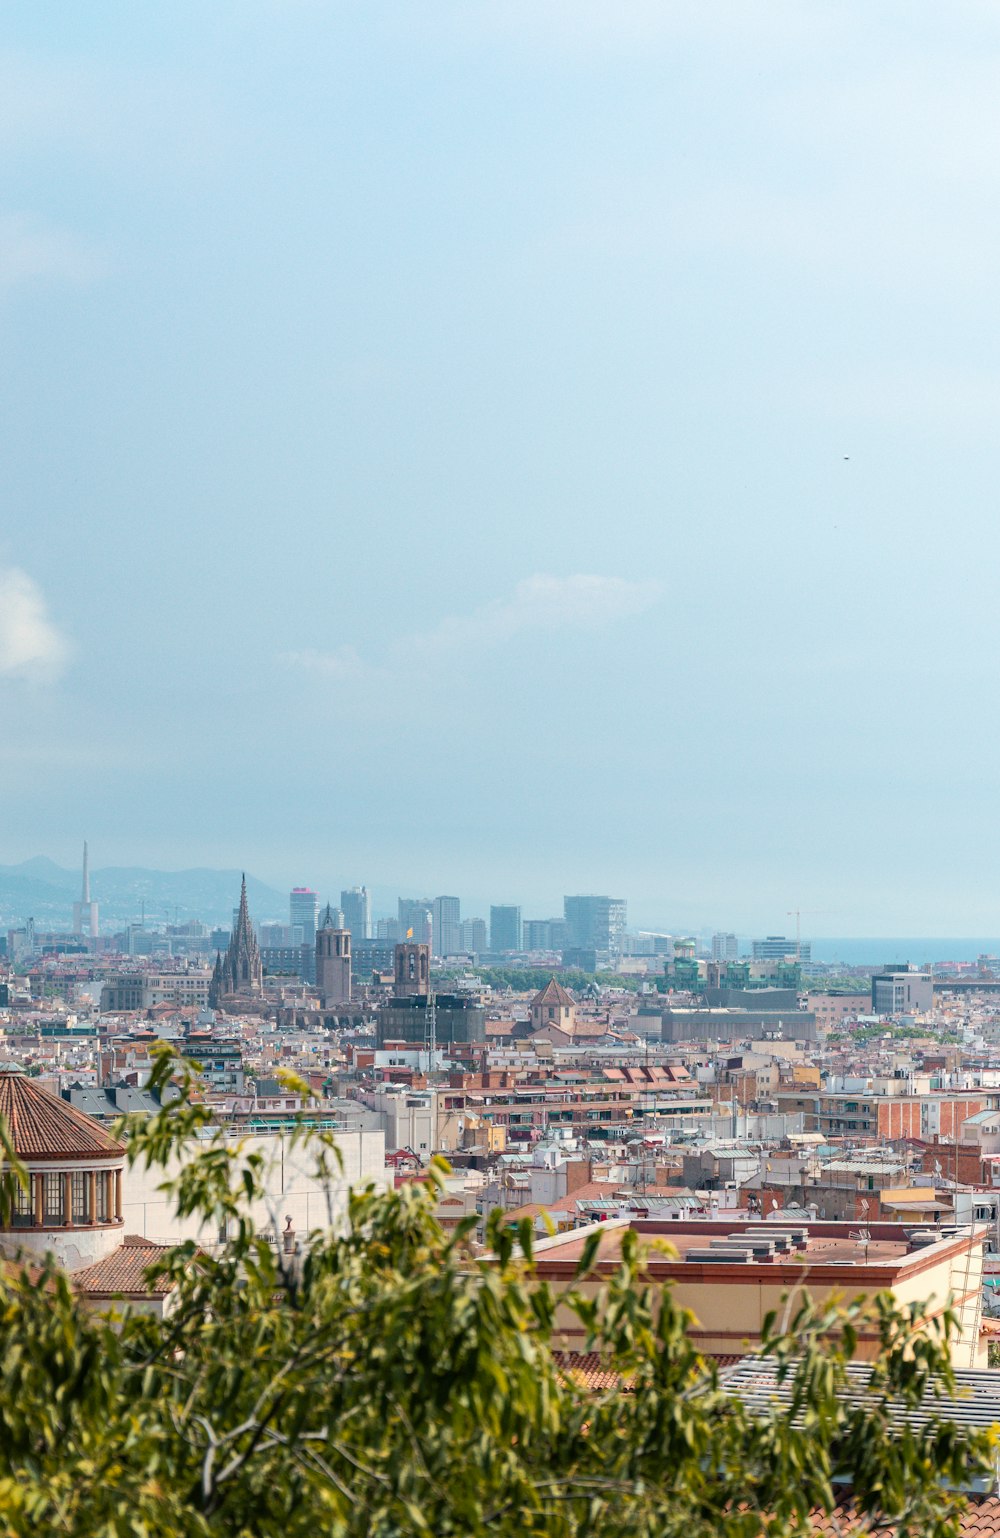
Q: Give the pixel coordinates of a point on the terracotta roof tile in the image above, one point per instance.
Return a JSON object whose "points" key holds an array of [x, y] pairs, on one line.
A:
{"points": [[981, 1519], [123, 1272], [589, 1369], [43, 1127], [553, 993]]}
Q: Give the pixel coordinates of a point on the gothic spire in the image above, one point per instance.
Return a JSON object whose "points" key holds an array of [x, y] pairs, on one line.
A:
{"points": [[241, 969]]}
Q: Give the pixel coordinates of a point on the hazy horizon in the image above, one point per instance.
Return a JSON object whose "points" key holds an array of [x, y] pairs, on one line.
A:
{"points": [[508, 450]]}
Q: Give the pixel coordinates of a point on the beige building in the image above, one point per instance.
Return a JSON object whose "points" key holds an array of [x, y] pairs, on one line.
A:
{"points": [[732, 1273], [553, 1006], [832, 1009], [144, 990]]}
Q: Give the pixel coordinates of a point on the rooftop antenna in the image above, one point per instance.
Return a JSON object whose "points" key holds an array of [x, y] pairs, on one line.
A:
{"points": [[864, 1235]]}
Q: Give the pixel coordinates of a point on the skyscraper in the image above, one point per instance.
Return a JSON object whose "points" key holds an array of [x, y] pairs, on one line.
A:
{"points": [[472, 936], [303, 909], [85, 911], [596, 923], [416, 914], [446, 913], [357, 909], [505, 928], [725, 947]]}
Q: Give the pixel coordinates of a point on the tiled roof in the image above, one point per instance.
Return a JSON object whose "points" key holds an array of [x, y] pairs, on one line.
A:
{"points": [[123, 1272], [553, 993], [44, 1127], [590, 1370], [981, 1519]]}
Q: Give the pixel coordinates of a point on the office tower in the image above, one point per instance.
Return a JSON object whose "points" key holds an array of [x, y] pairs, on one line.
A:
{"points": [[725, 947], [412, 977], [596, 923], [777, 947], [472, 936], [387, 929], [278, 936], [357, 908], [303, 909], [446, 915], [505, 928], [333, 961], [415, 913], [85, 911]]}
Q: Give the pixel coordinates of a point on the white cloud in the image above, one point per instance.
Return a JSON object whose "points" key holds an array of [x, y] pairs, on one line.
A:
{"points": [[30, 250], [344, 663], [30, 645], [537, 604]]}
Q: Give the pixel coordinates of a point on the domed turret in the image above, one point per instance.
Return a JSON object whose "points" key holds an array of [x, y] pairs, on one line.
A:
{"points": [[73, 1204]]}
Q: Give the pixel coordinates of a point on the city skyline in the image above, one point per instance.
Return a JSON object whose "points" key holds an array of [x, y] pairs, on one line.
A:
{"points": [[384, 905]]}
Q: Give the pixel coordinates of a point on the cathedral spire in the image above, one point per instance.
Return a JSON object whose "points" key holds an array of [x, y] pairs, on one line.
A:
{"points": [[241, 968], [327, 922]]}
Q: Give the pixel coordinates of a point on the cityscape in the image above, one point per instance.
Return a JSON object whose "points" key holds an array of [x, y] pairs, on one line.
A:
{"points": [[499, 914]]}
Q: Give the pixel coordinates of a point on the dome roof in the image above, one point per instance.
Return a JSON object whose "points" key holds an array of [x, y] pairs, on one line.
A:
{"points": [[42, 1126]]}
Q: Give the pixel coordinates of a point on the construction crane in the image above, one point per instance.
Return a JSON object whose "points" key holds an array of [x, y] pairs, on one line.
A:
{"points": [[796, 914]]}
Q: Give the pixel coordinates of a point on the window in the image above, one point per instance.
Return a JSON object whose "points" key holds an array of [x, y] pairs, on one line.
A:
{"points": [[79, 1182], [52, 1199], [103, 1214], [21, 1201]]}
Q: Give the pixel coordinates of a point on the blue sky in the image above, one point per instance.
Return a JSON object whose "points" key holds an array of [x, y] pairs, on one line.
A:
{"points": [[509, 449]]}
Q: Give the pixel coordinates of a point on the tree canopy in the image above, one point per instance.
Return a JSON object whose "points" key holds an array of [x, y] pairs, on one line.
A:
{"points": [[386, 1381]]}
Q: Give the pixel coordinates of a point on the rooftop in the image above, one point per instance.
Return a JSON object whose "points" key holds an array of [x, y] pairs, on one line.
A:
{"points": [[890, 1247], [41, 1126], [123, 1272]]}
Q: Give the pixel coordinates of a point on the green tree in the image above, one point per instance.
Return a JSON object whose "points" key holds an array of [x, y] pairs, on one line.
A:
{"points": [[386, 1382]]}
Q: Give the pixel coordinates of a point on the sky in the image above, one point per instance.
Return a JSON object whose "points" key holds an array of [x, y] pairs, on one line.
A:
{"points": [[508, 449]]}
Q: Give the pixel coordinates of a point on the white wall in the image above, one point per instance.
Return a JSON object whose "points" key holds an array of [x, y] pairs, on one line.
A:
{"points": [[292, 1188]]}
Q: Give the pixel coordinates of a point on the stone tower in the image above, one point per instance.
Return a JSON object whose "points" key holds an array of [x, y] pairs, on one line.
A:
{"points": [[413, 970], [333, 962], [239, 970]]}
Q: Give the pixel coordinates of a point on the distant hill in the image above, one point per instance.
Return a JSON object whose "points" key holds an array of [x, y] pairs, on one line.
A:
{"points": [[40, 889]]}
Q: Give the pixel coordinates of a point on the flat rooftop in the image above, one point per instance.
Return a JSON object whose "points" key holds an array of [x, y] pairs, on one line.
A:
{"points": [[894, 1247]]}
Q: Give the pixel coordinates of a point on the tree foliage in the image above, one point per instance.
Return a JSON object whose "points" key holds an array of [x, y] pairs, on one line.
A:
{"points": [[387, 1382]]}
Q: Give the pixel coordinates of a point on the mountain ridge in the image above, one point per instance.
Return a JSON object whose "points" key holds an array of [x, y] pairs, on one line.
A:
{"points": [[39, 888]]}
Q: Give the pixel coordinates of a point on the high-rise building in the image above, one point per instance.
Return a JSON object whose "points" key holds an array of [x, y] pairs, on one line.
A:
{"points": [[303, 909], [472, 937], [776, 947], [544, 934], [725, 947], [85, 911], [333, 961], [357, 908], [505, 927], [596, 923], [446, 914], [416, 915]]}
